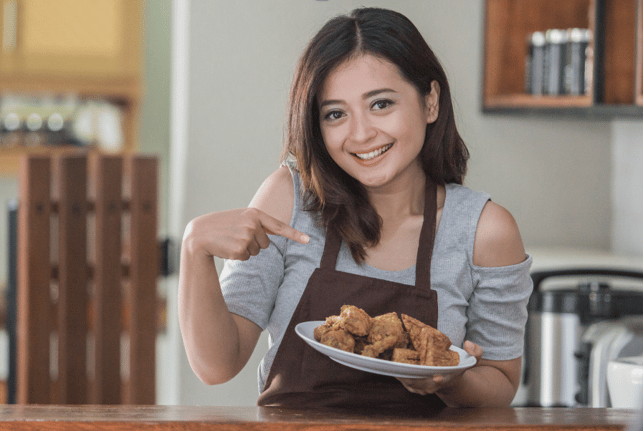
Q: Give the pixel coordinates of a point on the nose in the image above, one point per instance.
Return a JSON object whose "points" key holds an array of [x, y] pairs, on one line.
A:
{"points": [[362, 129]]}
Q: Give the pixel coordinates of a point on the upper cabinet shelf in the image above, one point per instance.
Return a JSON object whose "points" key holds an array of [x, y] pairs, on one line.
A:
{"points": [[89, 50], [612, 66]]}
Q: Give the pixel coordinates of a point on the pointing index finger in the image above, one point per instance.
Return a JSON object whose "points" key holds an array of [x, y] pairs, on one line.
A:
{"points": [[273, 226]]}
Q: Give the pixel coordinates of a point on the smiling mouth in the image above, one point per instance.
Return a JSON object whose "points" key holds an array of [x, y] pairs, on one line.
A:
{"points": [[371, 155]]}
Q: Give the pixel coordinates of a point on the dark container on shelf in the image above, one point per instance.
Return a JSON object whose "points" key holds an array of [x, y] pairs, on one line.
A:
{"points": [[535, 60], [555, 56], [575, 68]]}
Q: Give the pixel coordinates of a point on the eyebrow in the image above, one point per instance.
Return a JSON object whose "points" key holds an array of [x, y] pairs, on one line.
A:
{"points": [[364, 97]]}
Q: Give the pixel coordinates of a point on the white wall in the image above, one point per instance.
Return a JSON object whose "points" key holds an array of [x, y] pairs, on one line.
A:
{"points": [[233, 62], [627, 187]]}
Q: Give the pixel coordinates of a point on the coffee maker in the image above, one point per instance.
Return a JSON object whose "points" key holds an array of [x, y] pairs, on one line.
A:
{"points": [[573, 330]]}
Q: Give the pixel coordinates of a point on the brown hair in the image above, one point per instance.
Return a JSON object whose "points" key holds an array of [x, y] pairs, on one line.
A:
{"points": [[340, 200]]}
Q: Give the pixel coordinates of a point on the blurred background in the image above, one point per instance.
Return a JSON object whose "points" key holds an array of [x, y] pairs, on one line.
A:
{"points": [[206, 91]]}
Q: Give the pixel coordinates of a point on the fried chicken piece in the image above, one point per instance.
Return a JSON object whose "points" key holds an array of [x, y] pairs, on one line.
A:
{"points": [[446, 358], [432, 344], [403, 341], [360, 344], [332, 323], [354, 320], [406, 356], [386, 332], [339, 339], [319, 331], [413, 327], [434, 349]]}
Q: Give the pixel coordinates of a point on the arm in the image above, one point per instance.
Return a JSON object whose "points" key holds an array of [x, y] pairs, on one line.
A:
{"points": [[219, 343], [489, 383]]}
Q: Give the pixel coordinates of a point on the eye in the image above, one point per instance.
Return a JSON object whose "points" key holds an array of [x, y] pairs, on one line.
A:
{"points": [[381, 104], [333, 115]]}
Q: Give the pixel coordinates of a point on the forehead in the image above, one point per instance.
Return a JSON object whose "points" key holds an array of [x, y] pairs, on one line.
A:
{"points": [[362, 74]]}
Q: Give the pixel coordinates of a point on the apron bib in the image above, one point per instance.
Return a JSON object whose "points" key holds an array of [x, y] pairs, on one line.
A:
{"points": [[301, 377]]}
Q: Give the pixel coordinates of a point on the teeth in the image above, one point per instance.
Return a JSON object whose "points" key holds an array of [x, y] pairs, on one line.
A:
{"points": [[375, 153]]}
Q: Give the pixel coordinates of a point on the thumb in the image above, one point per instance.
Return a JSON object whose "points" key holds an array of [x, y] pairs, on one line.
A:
{"points": [[473, 349]]}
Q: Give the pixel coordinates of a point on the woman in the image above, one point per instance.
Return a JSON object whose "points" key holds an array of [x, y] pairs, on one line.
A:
{"points": [[369, 210]]}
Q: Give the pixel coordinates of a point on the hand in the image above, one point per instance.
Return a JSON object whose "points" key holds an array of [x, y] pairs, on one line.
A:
{"points": [[437, 383], [236, 234]]}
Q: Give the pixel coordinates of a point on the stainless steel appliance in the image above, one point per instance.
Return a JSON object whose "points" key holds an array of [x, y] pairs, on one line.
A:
{"points": [[559, 344]]}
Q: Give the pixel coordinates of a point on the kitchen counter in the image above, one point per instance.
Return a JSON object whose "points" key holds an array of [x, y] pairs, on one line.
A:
{"points": [[17, 417]]}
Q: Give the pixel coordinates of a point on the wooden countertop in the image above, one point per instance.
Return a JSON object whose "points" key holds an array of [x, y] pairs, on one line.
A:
{"points": [[188, 418]]}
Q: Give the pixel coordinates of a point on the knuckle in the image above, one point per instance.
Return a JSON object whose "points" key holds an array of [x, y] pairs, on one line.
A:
{"points": [[251, 213]]}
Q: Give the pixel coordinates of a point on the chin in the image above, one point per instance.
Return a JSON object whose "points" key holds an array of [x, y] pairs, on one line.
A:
{"points": [[376, 180]]}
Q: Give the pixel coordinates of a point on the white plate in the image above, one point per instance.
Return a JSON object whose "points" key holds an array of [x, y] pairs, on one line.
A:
{"points": [[379, 366]]}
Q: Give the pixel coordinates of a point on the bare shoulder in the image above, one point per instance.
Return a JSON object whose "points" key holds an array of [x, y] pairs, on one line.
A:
{"points": [[276, 195], [497, 241]]}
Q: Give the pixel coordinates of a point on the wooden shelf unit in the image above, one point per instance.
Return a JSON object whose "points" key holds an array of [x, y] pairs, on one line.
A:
{"points": [[616, 46]]}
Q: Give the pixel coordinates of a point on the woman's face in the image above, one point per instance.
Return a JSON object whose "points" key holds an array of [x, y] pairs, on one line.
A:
{"points": [[373, 121]]}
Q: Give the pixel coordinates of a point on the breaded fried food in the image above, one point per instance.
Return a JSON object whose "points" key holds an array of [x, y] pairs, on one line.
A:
{"points": [[354, 320], [406, 356], [332, 323], [360, 343], [441, 358], [406, 340], [339, 339], [319, 331], [403, 342], [432, 344], [413, 327], [386, 332]]}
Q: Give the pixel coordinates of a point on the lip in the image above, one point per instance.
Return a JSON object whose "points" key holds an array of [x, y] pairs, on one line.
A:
{"points": [[374, 160]]}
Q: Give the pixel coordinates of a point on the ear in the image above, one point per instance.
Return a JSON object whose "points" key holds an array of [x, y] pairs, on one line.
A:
{"points": [[432, 102]]}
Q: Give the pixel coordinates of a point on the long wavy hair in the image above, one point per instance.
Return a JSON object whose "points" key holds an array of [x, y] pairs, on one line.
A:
{"points": [[341, 201]]}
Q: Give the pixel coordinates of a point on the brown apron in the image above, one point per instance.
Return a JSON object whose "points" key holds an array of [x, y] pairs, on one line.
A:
{"points": [[301, 377]]}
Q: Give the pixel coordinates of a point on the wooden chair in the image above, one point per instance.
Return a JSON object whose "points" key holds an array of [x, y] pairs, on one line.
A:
{"points": [[87, 276]]}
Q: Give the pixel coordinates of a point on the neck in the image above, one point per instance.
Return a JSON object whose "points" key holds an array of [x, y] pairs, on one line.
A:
{"points": [[403, 199]]}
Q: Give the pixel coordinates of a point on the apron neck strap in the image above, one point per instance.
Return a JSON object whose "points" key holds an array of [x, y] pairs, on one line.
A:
{"points": [[425, 249], [427, 237], [331, 250]]}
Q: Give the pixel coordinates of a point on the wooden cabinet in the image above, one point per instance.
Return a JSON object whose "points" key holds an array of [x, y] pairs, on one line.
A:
{"points": [[614, 51], [89, 48]]}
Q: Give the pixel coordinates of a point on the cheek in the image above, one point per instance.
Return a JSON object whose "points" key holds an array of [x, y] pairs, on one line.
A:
{"points": [[416, 132], [332, 140]]}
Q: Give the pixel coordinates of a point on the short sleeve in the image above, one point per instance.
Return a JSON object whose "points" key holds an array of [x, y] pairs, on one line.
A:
{"points": [[250, 287], [497, 311]]}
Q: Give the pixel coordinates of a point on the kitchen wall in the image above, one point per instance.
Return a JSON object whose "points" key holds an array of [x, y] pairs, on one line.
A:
{"points": [[564, 180], [627, 187], [569, 183]]}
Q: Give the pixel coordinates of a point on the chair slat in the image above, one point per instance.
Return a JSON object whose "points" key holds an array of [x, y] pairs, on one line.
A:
{"points": [[33, 299], [72, 280], [107, 172], [144, 265]]}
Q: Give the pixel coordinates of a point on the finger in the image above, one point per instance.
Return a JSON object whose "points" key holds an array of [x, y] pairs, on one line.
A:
{"points": [[473, 349], [275, 227], [413, 389], [438, 380], [262, 239], [254, 248], [422, 386]]}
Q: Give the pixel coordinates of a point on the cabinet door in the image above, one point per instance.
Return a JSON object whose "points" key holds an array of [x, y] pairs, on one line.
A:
{"points": [[83, 38]]}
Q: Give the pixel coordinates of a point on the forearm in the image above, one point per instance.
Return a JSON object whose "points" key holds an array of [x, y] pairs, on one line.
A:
{"points": [[209, 332], [480, 386]]}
